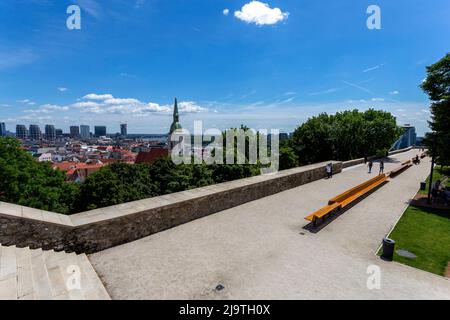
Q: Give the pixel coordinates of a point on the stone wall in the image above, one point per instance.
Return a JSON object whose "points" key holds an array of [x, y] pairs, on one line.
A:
{"points": [[99, 229]]}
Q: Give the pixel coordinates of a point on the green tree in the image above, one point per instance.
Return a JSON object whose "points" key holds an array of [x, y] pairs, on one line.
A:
{"points": [[26, 182], [437, 86], [116, 183], [344, 136], [288, 158]]}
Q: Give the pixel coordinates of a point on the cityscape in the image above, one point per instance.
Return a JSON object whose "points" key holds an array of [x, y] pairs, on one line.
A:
{"points": [[230, 158]]}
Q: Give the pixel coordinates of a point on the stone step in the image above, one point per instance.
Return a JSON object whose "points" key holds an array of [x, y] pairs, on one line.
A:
{"points": [[95, 289], [36, 274], [24, 274], [41, 279]]}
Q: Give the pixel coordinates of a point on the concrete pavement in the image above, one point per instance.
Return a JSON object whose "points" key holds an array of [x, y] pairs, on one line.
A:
{"points": [[260, 250]]}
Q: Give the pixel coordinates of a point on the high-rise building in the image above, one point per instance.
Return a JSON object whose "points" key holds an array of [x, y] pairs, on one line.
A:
{"points": [[59, 133], [2, 129], [74, 131], [35, 132], [21, 131], [100, 131], [85, 132], [50, 132], [123, 130], [407, 139]]}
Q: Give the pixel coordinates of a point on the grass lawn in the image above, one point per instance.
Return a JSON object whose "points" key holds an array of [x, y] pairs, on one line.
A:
{"points": [[438, 173], [425, 233]]}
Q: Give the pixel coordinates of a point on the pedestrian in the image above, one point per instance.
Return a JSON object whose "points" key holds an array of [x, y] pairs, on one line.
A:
{"points": [[370, 166], [329, 171], [381, 166], [365, 159]]}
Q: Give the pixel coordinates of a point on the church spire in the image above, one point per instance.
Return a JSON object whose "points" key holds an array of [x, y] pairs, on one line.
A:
{"points": [[176, 118]]}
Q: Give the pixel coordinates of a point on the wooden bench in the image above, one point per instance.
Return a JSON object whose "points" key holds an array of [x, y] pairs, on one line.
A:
{"points": [[355, 190], [344, 199], [322, 213], [405, 165]]}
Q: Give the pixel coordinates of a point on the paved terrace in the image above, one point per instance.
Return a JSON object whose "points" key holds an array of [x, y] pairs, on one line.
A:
{"points": [[260, 250]]}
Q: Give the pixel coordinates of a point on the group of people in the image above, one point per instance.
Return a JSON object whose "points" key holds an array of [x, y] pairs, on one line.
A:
{"points": [[370, 165], [439, 191]]}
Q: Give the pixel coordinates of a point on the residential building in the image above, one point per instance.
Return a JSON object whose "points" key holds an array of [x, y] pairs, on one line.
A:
{"points": [[123, 130], [2, 129], [100, 131], [149, 157], [59, 133], [50, 132], [45, 157], [85, 132], [74, 132], [35, 132], [21, 131]]}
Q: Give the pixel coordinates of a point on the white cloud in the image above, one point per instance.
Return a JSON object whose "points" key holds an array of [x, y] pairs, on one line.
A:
{"points": [[85, 104], [190, 107], [260, 14], [108, 104], [47, 108], [61, 89], [226, 12], [394, 93], [27, 102], [377, 99], [94, 96]]}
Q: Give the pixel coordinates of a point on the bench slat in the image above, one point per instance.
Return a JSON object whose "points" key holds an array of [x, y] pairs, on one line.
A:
{"points": [[348, 197]]}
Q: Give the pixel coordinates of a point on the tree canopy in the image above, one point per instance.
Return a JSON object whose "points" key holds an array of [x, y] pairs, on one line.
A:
{"points": [[26, 182], [437, 86], [345, 135]]}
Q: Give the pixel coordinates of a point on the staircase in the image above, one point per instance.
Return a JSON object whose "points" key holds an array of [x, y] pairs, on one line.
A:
{"points": [[47, 275]]}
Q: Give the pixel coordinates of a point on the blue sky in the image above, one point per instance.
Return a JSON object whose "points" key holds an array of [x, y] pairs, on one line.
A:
{"points": [[227, 63]]}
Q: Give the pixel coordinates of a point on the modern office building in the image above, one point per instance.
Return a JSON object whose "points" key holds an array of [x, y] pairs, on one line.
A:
{"points": [[59, 133], [100, 131], [50, 132], [407, 139], [85, 132], [35, 132], [2, 129], [123, 129], [75, 132], [21, 131]]}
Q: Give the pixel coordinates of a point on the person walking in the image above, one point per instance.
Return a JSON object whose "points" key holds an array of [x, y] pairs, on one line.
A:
{"points": [[329, 171], [381, 166], [370, 166]]}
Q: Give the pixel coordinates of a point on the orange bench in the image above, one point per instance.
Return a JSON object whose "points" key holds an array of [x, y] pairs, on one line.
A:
{"points": [[344, 199], [405, 165]]}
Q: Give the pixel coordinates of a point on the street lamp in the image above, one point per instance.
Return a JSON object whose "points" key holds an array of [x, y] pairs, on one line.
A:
{"points": [[433, 160]]}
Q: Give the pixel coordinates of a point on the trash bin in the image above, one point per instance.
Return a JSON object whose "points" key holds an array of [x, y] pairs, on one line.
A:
{"points": [[423, 186], [388, 249]]}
